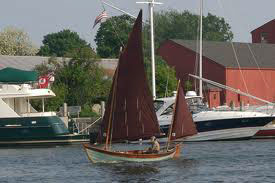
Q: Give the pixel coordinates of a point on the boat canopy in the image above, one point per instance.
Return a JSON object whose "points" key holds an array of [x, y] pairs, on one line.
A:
{"points": [[12, 75]]}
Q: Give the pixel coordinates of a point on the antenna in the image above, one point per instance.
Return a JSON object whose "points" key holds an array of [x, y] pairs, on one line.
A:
{"points": [[151, 4]]}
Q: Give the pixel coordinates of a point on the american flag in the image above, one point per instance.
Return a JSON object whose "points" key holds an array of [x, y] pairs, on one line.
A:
{"points": [[100, 17]]}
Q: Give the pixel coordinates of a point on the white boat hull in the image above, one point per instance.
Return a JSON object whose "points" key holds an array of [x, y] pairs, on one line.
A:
{"points": [[228, 134]]}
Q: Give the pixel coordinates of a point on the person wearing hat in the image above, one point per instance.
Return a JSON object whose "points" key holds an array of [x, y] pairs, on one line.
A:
{"points": [[155, 145]]}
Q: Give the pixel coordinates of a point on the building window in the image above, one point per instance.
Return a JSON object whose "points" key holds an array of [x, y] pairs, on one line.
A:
{"points": [[214, 96], [264, 37]]}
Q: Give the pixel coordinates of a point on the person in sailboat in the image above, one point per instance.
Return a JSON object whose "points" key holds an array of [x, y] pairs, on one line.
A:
{"points": [[155, 145]]}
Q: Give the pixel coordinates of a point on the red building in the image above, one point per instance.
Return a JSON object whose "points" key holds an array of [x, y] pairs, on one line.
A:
{"points": [[244, 66], [265, 33]]}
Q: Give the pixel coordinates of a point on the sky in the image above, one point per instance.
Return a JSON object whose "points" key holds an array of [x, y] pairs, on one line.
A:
{"points": [[41, 17]]}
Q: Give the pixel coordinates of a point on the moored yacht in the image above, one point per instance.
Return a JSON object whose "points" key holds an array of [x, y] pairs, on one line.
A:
{"points": [[211, 124], [20, 123]]}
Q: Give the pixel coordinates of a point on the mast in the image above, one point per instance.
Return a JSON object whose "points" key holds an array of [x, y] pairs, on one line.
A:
{"points": [[200, 61], [151, 4], [111, 110]]}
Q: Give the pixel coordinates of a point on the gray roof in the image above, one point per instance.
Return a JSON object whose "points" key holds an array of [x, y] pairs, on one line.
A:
{"points": [[223, 53], [21, 62], [29, 62]]}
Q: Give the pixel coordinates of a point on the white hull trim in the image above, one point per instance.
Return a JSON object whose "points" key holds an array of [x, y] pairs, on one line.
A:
{"points": [[228, 134], [216, 135]]}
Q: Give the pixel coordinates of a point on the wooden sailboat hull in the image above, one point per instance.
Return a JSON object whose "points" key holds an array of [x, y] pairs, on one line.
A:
{"points": [[99, 155]]}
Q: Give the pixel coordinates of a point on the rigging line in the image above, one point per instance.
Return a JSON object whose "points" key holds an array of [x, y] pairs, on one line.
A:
{"points": [[235, 54], [236, 57], [102, 5], [166, 88], [258, 67], [116, 33], [113, 26]]}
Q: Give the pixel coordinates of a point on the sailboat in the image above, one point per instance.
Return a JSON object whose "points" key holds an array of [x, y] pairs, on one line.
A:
{"points": [[130, 112]]}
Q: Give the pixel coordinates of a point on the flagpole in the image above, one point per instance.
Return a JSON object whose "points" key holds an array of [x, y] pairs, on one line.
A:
{"points": [[151, 4], [122, 11]]}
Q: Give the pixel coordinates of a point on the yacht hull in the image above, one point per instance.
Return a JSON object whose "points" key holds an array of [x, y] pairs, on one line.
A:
{"points": [[229, 134], [227, 129], [36, 131]]}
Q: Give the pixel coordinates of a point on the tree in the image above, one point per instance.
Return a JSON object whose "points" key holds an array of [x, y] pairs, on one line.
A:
{"points": [[14, 41], [176, 25], [112, 35], [172, 24], [60, 43], [78, 81]]}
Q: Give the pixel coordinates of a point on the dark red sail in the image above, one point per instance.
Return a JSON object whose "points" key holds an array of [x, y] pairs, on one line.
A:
{"points": [[183, 124], [130, 100]]}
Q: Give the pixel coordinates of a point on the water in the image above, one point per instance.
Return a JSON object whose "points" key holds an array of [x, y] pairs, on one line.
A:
{"points": [[237, 161]]}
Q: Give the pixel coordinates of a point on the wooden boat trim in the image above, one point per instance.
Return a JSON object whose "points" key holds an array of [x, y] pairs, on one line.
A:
{"points": [[133, 153]]}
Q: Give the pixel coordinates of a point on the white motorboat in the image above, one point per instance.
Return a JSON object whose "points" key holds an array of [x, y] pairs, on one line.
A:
{"points": [[211, 124]]}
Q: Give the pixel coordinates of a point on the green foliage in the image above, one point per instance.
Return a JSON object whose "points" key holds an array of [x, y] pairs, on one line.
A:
{"points": [[188, 85], [78, 81], [166, 81], [172, 24], [112, 35], [46, 68], [61, 91], [14, 41], [60, 43], [83, 78], [185, 25], [86, 111]]}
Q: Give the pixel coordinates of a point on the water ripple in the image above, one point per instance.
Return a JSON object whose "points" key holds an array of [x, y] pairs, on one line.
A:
{"points": [[218, 162]]}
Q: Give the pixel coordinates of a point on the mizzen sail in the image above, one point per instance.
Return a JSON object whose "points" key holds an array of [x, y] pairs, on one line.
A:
{"points": [[130, 105], [183, 124]]}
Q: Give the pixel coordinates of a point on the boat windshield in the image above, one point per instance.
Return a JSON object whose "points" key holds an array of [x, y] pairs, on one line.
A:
{"points": [[196, 104], [158, 104], [194, 101]]}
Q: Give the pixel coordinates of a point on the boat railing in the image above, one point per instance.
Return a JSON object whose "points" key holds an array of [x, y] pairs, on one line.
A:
{"points": [[38, 114], [85, 125], [89, 126], [268, 109]]}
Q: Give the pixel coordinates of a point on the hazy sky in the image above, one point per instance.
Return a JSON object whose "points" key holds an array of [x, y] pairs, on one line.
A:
{"points": [[40, 17]]}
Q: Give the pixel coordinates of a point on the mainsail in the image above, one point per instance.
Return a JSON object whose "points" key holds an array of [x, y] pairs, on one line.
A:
{"points": [[130, 112], [182, 124]]}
